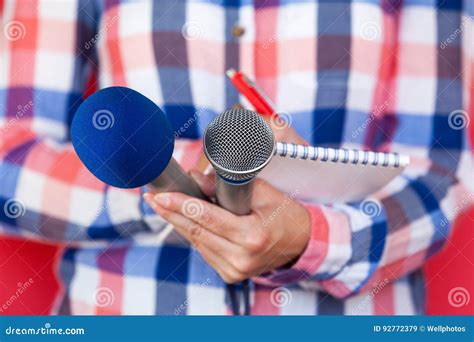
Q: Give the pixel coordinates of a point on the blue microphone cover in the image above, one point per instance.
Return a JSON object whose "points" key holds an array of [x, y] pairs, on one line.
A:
{"points": [[122, 137]]}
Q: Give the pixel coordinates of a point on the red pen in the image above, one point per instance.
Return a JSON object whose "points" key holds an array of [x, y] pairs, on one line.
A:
{"points": [[252, 92]]}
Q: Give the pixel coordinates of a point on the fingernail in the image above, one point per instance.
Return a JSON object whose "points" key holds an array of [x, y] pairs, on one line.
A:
{"points": [[163, 200], [149, 199]]}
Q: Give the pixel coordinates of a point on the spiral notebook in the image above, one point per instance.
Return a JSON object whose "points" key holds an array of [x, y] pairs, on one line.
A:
{"points": [[330, 175]]}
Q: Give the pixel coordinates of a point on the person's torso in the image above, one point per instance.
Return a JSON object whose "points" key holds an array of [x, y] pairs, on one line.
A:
{"points": [[329, 64]]}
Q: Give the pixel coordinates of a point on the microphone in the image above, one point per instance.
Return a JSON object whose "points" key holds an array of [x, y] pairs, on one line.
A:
{"points": [[125, 140], [238, 144]]}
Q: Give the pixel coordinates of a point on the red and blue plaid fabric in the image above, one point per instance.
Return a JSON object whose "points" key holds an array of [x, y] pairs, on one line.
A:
{"points": [[386, 75]]}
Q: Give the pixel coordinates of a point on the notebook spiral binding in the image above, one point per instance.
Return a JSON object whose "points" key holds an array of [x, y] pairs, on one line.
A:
{"points": [[345, 156]]}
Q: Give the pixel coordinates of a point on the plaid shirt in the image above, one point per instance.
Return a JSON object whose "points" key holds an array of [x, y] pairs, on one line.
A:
{"points": [[383, 75]]}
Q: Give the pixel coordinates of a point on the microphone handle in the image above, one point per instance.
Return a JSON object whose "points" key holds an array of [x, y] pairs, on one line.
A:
{"points": [[234, 197], [175, 179]]}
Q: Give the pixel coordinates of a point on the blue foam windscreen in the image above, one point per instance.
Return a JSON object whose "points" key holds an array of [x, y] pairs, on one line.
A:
{"points": [[122, 137]]}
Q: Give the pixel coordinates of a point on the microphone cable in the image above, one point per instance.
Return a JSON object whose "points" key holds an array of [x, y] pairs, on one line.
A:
{"points": [[246, 295], [235, 301]]}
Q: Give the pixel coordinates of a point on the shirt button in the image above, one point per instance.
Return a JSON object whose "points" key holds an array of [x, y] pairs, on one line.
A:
{"points": [[238, 31]]}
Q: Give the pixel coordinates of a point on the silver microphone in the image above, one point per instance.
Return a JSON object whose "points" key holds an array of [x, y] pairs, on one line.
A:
{"points": [[238, 144]]}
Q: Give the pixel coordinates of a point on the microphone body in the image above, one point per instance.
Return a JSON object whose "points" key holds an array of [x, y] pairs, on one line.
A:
{"points": [[125, 140], [235, 198]]}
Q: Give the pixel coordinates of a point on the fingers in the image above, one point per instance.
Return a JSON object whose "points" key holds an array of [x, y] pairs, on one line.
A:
{"points": [[215, 219], [196, 234], [225, 269], [232, 261], [218, 252]]}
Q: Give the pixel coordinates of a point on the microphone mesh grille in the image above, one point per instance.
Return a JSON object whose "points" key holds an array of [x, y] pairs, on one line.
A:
{"points": [[239, 143]]}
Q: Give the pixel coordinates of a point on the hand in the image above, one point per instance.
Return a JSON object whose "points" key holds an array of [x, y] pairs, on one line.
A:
{"points": [[238, 247]]}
